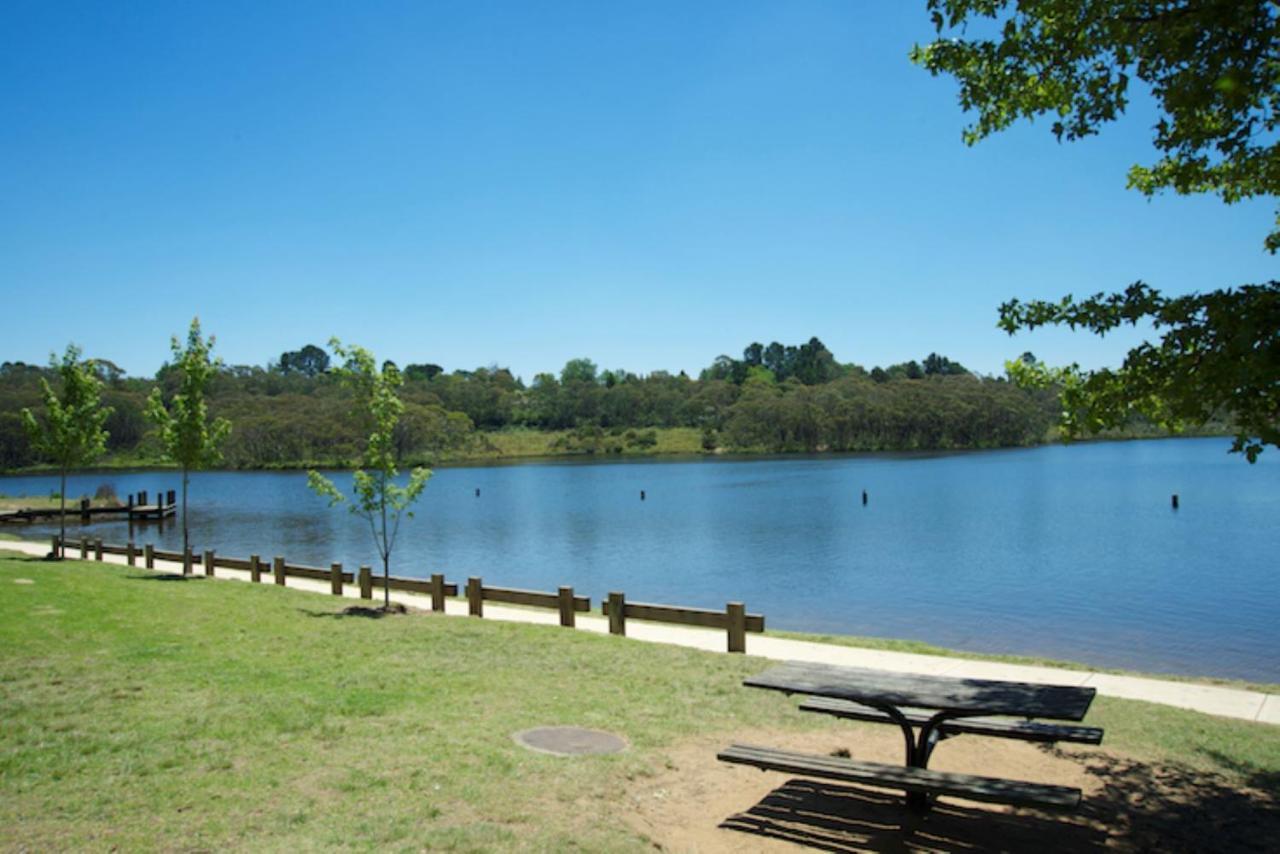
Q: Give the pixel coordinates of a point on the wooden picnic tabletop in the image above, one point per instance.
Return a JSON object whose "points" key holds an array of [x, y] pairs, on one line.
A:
{"points": [[941, 693]]}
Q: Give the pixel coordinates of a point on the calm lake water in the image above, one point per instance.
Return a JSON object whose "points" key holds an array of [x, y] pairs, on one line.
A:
{"points": [[1067, 552]]}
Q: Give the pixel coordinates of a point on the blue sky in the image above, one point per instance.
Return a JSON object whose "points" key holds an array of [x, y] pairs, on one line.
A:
{"points": [[645, 184]]}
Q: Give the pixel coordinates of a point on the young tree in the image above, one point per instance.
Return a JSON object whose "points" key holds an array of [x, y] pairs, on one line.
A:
{"points": [[376, 497], [72, 433], [1211, 67], [189, 437]]}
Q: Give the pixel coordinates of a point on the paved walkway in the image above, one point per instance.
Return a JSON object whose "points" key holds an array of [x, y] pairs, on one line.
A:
{"points": [[1211, 699]]}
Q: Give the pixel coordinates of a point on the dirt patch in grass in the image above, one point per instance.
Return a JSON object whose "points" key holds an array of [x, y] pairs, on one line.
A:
{"points": [[700, 804]]}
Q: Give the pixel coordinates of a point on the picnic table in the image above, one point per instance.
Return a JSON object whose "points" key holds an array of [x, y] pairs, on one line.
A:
{"points": [[927, 709]]}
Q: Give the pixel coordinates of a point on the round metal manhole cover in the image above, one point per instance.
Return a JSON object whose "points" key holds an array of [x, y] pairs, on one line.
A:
{"points": [[570, 740]]}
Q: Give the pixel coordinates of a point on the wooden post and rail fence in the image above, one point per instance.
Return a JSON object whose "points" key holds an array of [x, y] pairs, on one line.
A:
{"points": [[734, 619]]}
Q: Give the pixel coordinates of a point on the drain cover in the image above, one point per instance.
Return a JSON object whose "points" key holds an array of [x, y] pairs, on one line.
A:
{"points": [[570, 740]]}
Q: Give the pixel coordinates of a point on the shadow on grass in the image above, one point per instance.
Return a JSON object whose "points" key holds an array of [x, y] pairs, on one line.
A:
{"points": [[359, 611], [1139, 807], [166, 576]]}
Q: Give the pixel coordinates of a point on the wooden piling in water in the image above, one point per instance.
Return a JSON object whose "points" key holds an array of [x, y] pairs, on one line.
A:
{"points": [[1175, 501]]}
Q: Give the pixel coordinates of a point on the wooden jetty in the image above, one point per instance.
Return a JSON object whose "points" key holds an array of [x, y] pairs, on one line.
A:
{"points": [[138, 509]]}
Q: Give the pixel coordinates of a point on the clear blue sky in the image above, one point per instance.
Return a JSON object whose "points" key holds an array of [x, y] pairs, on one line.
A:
{"points": [[647, 184]]}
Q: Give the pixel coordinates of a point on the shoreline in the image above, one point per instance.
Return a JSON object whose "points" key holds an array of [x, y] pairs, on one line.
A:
{"points": [[666, 456], [1255, 704]]}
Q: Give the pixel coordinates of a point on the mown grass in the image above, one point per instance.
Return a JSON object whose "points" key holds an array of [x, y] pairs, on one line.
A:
{"points": [[49, 502], [140, 711]]}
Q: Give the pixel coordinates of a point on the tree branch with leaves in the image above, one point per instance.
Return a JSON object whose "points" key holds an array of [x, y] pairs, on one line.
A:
{"points": [[376, 497], [190, 438], [1213, 69], [71, 434]]}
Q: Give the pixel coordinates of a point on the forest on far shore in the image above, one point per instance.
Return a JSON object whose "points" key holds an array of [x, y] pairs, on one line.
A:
{"points": [[775, 399]]}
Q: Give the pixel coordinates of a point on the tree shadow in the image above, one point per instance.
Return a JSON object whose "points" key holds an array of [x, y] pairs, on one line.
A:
{"points": [[359, 611], [166, 576], [1139, 806]]}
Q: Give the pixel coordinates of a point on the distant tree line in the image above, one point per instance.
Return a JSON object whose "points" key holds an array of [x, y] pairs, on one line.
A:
{"points": [[776, 398]]}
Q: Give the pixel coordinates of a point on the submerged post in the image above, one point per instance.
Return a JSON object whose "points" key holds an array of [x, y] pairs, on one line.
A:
{"points": [[277, 568], [255, 569], [566, 607], [617, 614], [1175, 501], [864, 498], [366, 583], [736, 618], [437, 592], [335, 579], [475, 597], [208, 562]]}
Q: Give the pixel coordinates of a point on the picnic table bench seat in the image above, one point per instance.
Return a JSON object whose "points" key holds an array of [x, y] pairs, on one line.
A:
{"points": [[1001, 728], [921, 781]]}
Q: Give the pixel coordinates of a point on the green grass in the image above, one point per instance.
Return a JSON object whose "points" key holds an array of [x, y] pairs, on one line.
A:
{"points": [[922, 648], [43, 502], [144, 713]]}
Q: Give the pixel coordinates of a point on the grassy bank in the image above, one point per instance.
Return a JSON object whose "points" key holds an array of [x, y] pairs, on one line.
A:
{"points": [[922, 648], [141, 712]]}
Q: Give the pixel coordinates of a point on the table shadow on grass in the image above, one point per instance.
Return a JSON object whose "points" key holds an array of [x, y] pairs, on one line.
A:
{"points": [[1139, 807], [165, 576]]}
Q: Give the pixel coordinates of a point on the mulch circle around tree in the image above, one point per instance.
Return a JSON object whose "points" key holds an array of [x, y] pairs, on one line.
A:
{"points": [[570, 740]]}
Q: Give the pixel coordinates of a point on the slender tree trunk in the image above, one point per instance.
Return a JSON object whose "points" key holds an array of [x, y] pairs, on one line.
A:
{"points": [[386, 552], [62, 516], [186, 543]]}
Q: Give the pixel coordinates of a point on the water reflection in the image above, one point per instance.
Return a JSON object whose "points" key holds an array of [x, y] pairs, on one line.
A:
{"points": [[1069, 552]]}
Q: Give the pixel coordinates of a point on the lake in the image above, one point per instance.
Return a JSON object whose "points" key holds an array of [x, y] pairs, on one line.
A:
{"points": [[1070, 552]]}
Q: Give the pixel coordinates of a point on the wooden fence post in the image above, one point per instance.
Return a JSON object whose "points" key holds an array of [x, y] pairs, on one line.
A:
{"points": [[208, 562], [566, 607], [475, 597], [97, 549], [57, 547], [366, 583], [255, 569], [149, 556], [437, 592], [736, 613], [187, 560], [335, 579], [617, 614], [277, 567], [131, 554], [84, 510], [84, 548]]}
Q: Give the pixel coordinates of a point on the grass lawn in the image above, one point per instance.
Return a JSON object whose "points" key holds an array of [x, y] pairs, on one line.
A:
{"points": [[142, 711]]}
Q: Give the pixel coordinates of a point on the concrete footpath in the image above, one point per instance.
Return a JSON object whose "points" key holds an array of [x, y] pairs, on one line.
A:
{"points": [[1210, 699]]}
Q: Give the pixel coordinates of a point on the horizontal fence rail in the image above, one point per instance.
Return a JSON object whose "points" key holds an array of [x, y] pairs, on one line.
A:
{"points": [[734, 618], [563, 600]]}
